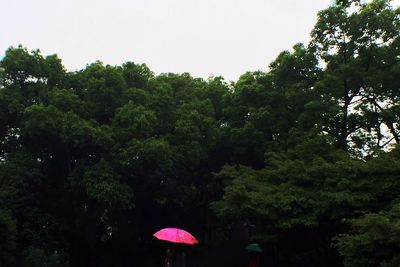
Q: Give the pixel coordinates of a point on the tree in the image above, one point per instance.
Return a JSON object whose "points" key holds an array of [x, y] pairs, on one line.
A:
{"points": [[359, 49], [8, 233], [93, 162], [136, 76], [102, 89], [373, 240]]}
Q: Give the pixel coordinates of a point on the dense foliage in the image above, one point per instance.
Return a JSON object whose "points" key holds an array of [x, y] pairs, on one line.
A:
{"points": [[303, 156]]}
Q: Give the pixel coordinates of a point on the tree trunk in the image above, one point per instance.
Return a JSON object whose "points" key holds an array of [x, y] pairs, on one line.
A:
{"points": [[342, 142]]}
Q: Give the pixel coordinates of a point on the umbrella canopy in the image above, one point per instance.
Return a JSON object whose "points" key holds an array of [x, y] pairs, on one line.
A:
{"points": [[254, 247], [176, 235]]}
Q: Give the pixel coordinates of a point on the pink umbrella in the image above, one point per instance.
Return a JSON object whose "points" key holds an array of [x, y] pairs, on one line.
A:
{"points": [[176, 235]]}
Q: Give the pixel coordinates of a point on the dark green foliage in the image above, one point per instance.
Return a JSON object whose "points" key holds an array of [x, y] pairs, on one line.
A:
{"points": [[373, 241], [359, 51], [7, 236], [93, 162]]}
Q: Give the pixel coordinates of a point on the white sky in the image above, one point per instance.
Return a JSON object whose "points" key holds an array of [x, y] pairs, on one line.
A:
{"points": [[202, 37]]}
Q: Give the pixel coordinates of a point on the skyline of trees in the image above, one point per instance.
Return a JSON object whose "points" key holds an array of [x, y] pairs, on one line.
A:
{"points": [[94, 161]]}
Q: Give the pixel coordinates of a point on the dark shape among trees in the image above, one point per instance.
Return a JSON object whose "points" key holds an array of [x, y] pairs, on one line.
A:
{"points": [[302, 159]]}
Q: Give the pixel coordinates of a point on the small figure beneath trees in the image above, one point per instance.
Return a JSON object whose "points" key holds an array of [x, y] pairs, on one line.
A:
{"points": [[254, 259], [254, 254], [178, 240], [175, 257]]}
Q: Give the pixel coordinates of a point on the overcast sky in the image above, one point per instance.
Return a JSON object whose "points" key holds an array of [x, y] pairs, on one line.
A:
{"points": [[202, 37]]}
